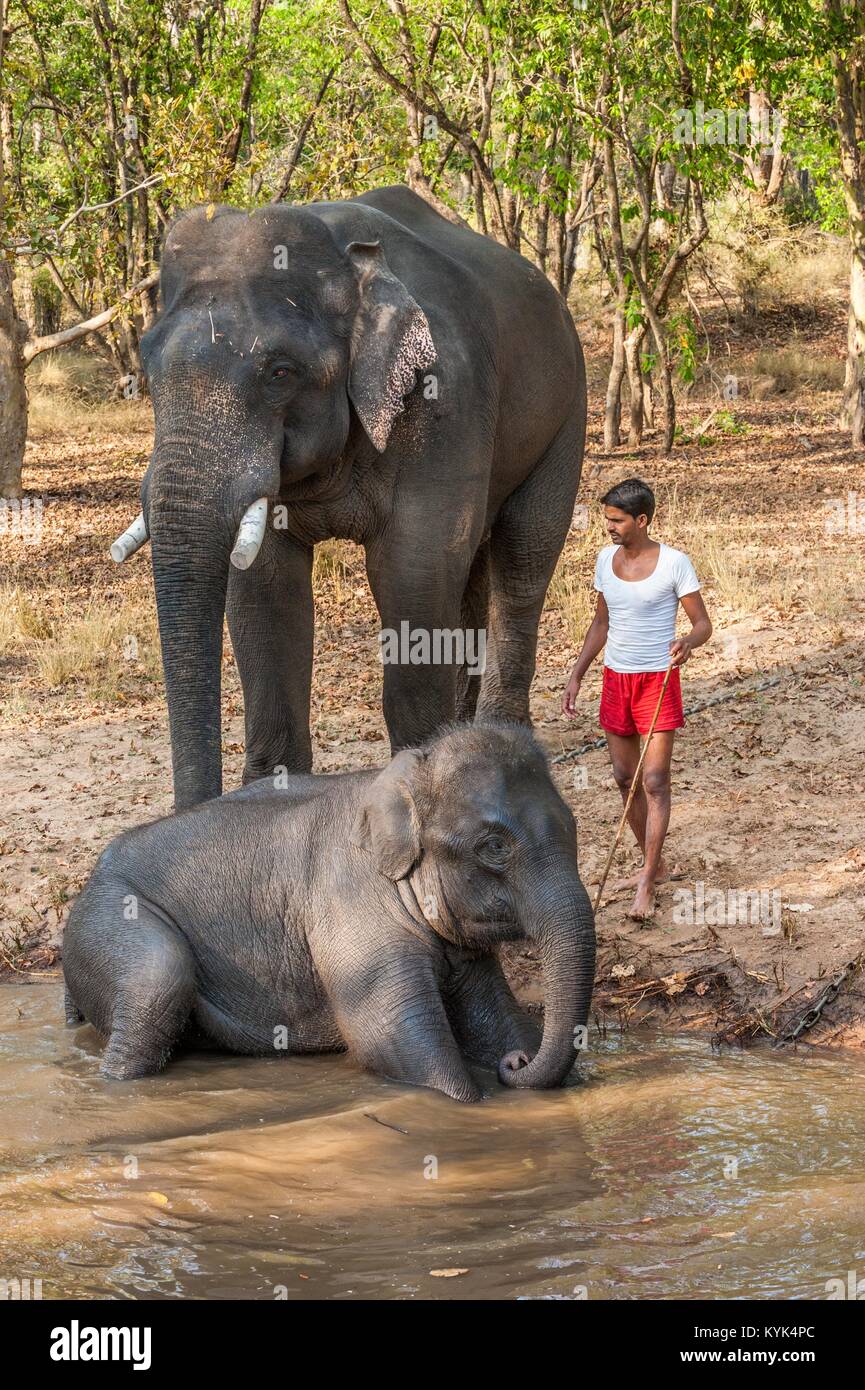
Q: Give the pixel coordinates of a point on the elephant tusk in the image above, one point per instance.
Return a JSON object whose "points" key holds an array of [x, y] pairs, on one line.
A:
{"points": [[133, 539], [250, 534]]}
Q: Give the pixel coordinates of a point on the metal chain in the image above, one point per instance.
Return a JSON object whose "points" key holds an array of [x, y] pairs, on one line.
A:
{"points": [[719, 699], [831, 992]]}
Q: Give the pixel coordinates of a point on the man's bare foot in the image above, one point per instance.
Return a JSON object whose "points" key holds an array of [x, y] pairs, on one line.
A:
{"points": [[643, 906], [664, 875]]}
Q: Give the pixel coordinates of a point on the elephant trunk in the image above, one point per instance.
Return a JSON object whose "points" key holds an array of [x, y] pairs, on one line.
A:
{"points": [[563, 926], [201, 514], [190, 573]]}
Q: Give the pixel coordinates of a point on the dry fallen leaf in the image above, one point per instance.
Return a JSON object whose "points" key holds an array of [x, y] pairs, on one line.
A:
{"points": [[675, 983], [447, 1273], [620, 971], [159, 1198]]}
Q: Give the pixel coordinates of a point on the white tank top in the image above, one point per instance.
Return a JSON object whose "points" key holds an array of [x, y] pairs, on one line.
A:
{"points": [[643, 611]]}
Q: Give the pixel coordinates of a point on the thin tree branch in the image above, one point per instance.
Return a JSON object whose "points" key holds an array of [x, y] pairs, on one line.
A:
{"points": [[97, 207], [34, 346], [306, 126]]}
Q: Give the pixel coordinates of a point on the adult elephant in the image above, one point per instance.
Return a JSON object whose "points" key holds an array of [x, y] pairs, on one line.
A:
{"points": [[361, 369]]}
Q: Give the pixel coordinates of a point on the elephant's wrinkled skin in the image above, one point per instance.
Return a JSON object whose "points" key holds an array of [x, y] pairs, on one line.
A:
{"points": [[360, 910], [379, 374]]}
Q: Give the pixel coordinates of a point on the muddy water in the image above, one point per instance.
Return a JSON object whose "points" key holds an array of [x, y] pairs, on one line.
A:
{"points": [[669, 1172]]}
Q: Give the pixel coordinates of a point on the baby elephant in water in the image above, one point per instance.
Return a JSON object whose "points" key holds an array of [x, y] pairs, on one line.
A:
{"points": [[359, 910]]}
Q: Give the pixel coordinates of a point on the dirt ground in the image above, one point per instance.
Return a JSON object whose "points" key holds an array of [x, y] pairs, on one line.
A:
{"points": [[768, 783]]}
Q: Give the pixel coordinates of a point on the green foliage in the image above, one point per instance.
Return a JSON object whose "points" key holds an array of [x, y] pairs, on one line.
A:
{"points": [[682, 335], [107, 95], [727, 423]]}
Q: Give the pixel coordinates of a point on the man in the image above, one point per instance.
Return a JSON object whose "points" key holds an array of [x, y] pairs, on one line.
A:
{"points": [[640, 584]]}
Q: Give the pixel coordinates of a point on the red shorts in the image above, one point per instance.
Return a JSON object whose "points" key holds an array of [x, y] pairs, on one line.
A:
{"points": [[628, 701]]}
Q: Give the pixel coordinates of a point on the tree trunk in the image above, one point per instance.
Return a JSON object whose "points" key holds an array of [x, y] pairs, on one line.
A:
{"points": [[662, 355], [648, 400], [301, 138], [556, 249], [768, 163], [26, 304], [665, 184], [421, 184], [480, 211], [853, 408], [542, 230], [633, 352], [849, 63], [511, 203], [542, 222], [613, 413], [613, 410], [13, 392]]}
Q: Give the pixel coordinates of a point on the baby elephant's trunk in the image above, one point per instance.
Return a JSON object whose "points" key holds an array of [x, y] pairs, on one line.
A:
{"points": [[564, 929]]}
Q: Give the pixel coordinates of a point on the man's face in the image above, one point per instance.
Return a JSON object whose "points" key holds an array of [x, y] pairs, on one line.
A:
{"points": [[621, 527]]}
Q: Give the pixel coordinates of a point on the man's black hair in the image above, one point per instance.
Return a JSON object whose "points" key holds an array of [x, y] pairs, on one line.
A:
{"points": [[633, 496]]}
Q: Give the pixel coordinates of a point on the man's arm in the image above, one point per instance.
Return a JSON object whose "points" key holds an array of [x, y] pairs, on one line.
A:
{"points": [[701, 628], [594, 642]]}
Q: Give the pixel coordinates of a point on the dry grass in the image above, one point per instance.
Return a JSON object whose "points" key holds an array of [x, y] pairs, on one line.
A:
{"points": [[799, 369], [330, 570], [759, 260], [72, 373], [95, 649], [75, 645], [52, 414], [573, 596], [21, 619], [75, 390], [810, 270], [329, 561], [739, 572], [103, 648], [830, 586], [720, 559]]}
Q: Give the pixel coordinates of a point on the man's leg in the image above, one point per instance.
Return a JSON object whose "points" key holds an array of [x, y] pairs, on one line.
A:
{"points": [[624, 755], [656, 788]]}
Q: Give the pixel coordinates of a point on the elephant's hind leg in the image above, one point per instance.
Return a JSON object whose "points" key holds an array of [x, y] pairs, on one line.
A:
{"points": [[155, 991], [527, 538], [473, 619]]}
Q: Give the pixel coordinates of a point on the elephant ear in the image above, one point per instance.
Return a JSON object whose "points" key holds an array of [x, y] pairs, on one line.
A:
{"points": [[387, 824], [390, 343]]}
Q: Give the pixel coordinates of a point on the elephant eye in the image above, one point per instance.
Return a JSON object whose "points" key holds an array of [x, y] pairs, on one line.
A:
{"points": [[280, 372], [494, 849]]}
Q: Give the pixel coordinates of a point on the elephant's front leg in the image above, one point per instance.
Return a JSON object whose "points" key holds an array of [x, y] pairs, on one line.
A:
{"points": [[394, 1022], [270, 618], [487, 1020]]}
